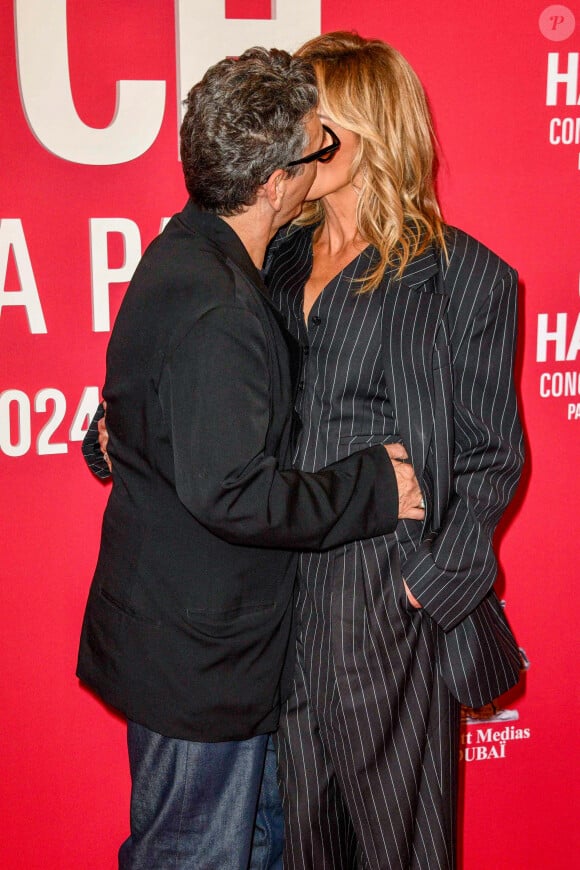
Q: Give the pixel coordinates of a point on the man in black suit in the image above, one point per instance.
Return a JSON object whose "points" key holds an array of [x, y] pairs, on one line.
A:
{"points": [[189, 624]]}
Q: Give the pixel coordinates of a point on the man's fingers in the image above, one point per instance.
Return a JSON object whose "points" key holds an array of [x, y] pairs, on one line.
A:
{"points": [[397, 451], [103, 435], [410, 495], [411, 504]]}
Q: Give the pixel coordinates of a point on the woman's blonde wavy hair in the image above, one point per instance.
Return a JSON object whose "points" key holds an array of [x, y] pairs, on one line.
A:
{"points": [[367, 87]]}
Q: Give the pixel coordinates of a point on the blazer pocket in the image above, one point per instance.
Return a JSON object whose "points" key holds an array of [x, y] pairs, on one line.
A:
{"points": [[399, 585], [126, 610], [370, 439], [229, 623], [347, 445]]}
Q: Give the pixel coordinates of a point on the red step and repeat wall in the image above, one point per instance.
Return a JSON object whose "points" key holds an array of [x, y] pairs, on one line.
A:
{"points": [[89, 160]]}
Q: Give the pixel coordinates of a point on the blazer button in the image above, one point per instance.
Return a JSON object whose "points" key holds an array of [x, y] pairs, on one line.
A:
{"points": [[316, 320], [305, 351], [301, 385]]}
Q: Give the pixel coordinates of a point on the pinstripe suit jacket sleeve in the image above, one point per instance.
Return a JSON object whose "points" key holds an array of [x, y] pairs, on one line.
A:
{"points": [[91, 447], [476, 448]]}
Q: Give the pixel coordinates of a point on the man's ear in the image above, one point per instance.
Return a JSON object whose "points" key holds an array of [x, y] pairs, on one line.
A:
{"points": [[275, 189]]}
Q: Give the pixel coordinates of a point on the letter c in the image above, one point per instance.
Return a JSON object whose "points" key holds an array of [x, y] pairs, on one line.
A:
{"points": [[41, 46]]}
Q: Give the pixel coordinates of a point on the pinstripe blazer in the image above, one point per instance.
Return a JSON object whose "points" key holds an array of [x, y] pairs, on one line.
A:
{"points": [[448, 357], [448, 343]]}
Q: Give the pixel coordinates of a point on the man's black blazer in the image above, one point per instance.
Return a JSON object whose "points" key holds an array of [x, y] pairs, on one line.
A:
{"points": [[189, 623]]}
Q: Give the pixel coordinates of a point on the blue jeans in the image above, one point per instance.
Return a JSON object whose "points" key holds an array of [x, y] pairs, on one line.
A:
{"points": [[268, 839], [207, 806]]}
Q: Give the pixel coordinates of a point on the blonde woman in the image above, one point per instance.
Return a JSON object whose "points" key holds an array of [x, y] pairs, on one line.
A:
{"points": [[408, 328]]}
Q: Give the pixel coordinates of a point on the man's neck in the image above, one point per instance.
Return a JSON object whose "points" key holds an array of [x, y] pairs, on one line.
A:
{"points": [[254, 231]]}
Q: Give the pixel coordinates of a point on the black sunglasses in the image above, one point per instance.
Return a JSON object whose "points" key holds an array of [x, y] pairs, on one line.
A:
{"points": [[323, 154]]}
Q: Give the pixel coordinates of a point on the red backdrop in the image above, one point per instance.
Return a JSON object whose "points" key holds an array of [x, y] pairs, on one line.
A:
{"points": [[77, 208]]}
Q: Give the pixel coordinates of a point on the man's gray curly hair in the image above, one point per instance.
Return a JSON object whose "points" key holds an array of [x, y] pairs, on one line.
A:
{"points": [[245, 119]]}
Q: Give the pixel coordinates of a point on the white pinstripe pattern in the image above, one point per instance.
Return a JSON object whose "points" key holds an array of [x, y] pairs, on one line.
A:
{"points": [[92, 451], [369, 740], [346, 407]]}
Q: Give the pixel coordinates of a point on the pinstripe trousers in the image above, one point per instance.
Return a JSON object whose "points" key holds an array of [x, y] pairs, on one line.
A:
{"points": [[368, 742]]}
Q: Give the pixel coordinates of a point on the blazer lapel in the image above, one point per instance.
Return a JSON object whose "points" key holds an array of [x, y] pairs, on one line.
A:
{"points": [[412, 313]]}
